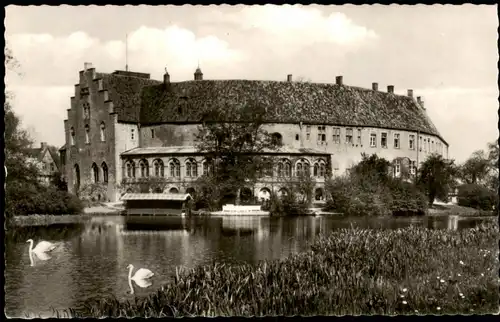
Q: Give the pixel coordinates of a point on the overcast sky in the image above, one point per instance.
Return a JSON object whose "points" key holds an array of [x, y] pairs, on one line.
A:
{"points": [[446, 54]]}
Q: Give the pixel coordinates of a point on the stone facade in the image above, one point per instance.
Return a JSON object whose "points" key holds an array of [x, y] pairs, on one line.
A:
{"points": [[124, 116]]}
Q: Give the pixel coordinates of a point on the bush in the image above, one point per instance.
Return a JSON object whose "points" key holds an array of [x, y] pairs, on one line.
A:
{"points": [[407, 199], [476, 196], [285, 206]]}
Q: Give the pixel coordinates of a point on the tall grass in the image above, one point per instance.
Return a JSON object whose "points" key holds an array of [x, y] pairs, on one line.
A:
{"points": [[351, 271]]}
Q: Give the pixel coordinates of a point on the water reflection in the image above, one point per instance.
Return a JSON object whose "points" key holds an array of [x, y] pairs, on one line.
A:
{"points": [[92, 259]]}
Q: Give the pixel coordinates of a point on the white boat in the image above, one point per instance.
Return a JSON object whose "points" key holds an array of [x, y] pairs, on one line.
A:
{"points": [[233, 210]]}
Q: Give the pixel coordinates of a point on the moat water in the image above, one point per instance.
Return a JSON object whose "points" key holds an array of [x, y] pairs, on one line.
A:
{"points": [[92, 257]]}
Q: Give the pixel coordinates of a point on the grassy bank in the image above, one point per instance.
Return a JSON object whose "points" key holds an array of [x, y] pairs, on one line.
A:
{"points": [[351, 271], [452, 209]]}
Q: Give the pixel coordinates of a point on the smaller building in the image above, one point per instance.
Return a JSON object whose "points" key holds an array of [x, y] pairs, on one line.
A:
{"points": [[156, 203], [47, 159]]}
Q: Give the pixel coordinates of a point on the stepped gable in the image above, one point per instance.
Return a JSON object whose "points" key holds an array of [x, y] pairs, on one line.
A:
{"points": [[285, 102], [125, 92]]}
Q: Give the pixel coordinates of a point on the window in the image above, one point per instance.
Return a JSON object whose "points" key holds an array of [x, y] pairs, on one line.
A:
{"points": [[52, 167], [132, 132], [396, 140], [429, 145], [432, 147], [397, 168], [359, 136], [321, 133], [130, 169], [191, 168], [302, 168], [104, 168], [175, 168], [348, 136], [411, 142], [336, 135], [319, 169], [284, 169], [152, 133], [159, 168], [383, 140], [413, 167], [206, 166], [308, 132], [144, 166], [276, 139], [86, 111], [95, 173], [296, 137], [72, 135], [87, 134], [373, 140], [267, 168], [103, 132], [420, 144]]}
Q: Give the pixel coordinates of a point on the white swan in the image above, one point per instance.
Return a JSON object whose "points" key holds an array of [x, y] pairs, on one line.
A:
{"points": [[41, 250], [140, 277]]}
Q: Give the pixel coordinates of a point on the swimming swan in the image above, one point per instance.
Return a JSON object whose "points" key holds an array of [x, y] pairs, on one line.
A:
{"points": [[40, 250], [140, 277]]}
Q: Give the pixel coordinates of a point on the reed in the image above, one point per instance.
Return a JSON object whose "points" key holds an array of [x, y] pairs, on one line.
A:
{"points": [[351, 271]]}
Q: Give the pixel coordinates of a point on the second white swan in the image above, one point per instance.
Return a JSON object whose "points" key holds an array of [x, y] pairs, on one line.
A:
{"points": [[140, 277], [40, 250]]}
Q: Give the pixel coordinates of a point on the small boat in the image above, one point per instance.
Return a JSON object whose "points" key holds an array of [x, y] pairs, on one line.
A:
{"points": [[234, 210]]}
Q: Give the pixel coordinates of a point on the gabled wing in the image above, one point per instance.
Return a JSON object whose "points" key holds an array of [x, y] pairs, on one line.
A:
{"points": [[143, 273]]}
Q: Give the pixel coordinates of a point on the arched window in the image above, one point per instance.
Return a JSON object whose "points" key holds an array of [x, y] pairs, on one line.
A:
{"points": [[76, 176], [87, 134], [276, 138], [95, 173], [144, 166], [319, 169], [104, 172], [103, 132], [130, 169], [159, 168], [191, 168], [280, 170], [72, 136], [267, 168], [207, 167], [175, 168], [284, 168], [302, 168]]}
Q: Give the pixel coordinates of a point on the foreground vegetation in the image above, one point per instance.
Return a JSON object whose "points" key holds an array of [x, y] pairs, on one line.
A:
{"points": [[351, 271]]}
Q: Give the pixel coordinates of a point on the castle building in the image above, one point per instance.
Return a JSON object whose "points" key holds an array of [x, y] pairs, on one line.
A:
{"points": [[124, 128]]}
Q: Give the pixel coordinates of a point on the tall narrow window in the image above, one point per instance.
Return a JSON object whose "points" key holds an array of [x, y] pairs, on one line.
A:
{"points": [[319, 169], [308, 132], [95, 173], [321, 133], [159, 168], [413, 167], [373, 140], [348, 136], [359, 136], [72, 135], [103, 132], [336, 135], [143, 164], [287, 169], [104, 172], [396, 140], [152, 133], [397, 168], [132, 134], [411, 142], [302, 168], [87, 134], [420, 147], [175, 168], [191, 168], [130, 169], [383, 140], [432, 147]]}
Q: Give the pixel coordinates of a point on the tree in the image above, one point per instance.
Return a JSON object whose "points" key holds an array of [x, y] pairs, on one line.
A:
{"points": [[475, 170], [372, 169], [435, 177], [235, 144], [493, 152]]}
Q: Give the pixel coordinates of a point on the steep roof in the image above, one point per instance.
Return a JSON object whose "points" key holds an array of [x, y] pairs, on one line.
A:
{"points": [[125, 92], [39, 153], [285, 102]]}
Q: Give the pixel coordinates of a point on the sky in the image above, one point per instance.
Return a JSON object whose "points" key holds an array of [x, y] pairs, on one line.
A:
{"points": [[447, 54]]}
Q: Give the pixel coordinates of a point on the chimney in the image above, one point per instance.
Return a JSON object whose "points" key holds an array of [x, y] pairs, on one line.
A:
{"points": [[87, 66], [43, 145], [390, 89], [375, 86], [420, 101], [289, 78], [410, 93], [339, 80], [166, 77]]}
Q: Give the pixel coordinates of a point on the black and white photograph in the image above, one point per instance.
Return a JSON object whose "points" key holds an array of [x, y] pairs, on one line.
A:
{"points": [[251, 160]]}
